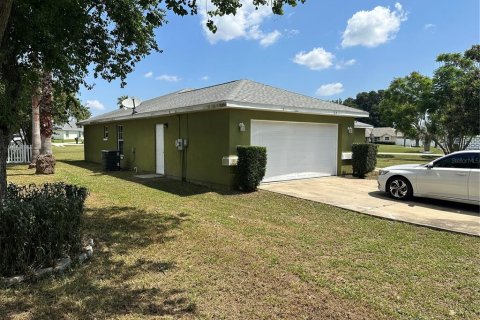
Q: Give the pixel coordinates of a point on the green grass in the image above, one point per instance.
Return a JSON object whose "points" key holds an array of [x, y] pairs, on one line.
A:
{"points": [[386, 160], [167, 249], [402, 149]]}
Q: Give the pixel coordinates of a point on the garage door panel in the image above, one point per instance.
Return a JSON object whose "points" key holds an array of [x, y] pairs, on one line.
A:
{"points": [[296, 150]]}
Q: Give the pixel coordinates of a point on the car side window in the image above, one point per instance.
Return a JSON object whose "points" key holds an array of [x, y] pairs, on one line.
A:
{"points": [[459, 161], [475, 163]]}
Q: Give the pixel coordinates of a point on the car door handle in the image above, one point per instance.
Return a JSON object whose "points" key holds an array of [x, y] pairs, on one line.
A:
{"points": [[461, 173]]}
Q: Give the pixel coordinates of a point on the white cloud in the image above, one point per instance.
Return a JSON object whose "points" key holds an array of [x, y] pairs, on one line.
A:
{"points": [[269, 38], [95, 104], [316, 59], [244, 24], [330, 89], [429, 26], [291, 32], [166, 77], [343, 64], [148, 74], [205, 78], [372, 28]]}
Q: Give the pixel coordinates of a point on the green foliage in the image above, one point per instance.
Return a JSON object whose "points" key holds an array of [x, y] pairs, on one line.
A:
{"points": [[456, 106], [252, 163], [119, 101], [370, 102], [364, 158], [406, 102], [39, 225], [67, 106]]}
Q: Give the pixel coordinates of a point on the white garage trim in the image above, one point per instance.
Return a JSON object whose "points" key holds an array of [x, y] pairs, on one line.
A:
{"points": [[297, 150]]}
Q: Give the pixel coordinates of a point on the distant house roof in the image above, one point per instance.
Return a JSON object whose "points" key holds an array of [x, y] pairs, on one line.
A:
{"points": [[380, 132], [70, 126], [240, 94], [361, 125]]}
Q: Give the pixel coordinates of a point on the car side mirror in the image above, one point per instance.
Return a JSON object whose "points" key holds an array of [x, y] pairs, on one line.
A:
{"points": [[429, 166]]}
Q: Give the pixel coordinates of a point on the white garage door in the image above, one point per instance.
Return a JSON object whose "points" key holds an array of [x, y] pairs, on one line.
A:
{"points": [[296, 150]]}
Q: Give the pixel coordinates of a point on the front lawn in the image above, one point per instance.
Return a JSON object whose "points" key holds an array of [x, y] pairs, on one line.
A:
{"points": [[386, 160], [401, 149], [171, 249]]}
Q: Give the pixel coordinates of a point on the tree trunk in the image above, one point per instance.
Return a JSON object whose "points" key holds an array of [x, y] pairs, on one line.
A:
{"points": [[426, 143], [36, 141], [5, 138], [5, 10], [46, 124], [417, 142]]}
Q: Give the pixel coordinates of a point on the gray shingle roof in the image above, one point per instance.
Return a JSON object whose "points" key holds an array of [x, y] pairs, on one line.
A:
{"points": [[361, 125], [70, 126], [235, 94], [379, 132]]}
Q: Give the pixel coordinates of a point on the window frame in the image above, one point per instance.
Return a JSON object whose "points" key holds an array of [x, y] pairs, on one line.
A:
{"points": [[467, 165], [120, 139], [105, 133]]}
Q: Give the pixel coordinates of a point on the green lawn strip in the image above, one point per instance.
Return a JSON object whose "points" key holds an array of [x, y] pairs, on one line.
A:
{"points": [[386, 160], [402, 149], [166, 248]]}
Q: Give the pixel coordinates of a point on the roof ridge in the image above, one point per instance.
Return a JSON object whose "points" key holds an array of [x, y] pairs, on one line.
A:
{"points": [[299, 94], [236, 90], [214, 85]]}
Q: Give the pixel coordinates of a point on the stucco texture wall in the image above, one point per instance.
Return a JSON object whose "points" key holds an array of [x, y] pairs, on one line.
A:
{"points": [[359, 135], [206, 133], [211, 135]]}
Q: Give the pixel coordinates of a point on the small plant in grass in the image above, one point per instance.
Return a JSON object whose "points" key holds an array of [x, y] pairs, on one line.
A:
{"points": [[364, 158], [252, 163], [39, 224]]}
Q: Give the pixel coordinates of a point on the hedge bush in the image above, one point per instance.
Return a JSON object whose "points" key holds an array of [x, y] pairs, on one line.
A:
{"points": [[252, 163], [39, 224], [364, 158]]}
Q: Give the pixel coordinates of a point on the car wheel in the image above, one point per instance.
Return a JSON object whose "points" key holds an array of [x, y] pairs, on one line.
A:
{"points": [[399, 188]]}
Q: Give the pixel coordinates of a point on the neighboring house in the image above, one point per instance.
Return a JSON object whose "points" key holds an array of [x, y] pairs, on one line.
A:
{"points": [[193, 134], [359, 132], [68, 131], [382, 135], [474, 144]]}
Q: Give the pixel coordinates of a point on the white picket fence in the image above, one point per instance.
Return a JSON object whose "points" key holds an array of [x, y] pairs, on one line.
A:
{"points": [[19, 153]]}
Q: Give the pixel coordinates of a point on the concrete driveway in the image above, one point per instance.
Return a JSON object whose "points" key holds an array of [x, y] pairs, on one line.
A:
{"points": [[363, 196]]}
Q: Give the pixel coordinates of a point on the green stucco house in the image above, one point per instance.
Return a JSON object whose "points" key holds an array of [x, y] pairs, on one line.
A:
{"points": [[192, 134]]}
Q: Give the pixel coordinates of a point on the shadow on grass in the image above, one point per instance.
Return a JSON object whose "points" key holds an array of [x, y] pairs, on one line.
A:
{"points": [[117, 281], [179, 188]]}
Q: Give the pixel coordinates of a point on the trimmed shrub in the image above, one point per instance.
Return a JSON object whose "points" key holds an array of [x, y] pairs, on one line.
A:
{"points": [[252, 163], [39, 224], [364, 158]]}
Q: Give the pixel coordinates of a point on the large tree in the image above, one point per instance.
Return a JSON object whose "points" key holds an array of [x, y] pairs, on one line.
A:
{"points": [[370, 102], [455, 111], [406, 105], [71, 37]]}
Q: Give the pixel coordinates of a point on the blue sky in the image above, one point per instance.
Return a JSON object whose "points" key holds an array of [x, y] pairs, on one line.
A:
{"points": [[328, 49]]}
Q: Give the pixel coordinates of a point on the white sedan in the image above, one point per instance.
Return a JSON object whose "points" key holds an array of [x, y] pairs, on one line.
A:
{"points": [[454, 177]]}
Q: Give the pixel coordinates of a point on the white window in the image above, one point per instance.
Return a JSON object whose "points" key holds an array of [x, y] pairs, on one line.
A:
{"points": [[120, 139], [387, 138], [105, 133]]}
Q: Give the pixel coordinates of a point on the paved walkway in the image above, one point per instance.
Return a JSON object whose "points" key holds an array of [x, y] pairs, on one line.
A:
{"points": [[362, 195]]}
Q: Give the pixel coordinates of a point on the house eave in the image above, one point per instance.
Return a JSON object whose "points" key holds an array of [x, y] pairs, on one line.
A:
{"points": [[290, 109], [230, 105]]}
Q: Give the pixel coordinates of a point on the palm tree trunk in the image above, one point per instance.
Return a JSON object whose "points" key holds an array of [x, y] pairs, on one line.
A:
{"points": [[36, 141], [5, 10], [46, 124]]}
